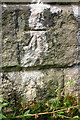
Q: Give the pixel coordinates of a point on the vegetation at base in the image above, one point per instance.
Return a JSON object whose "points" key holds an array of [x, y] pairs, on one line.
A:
{"points": [[58, 108], [62, 108]]}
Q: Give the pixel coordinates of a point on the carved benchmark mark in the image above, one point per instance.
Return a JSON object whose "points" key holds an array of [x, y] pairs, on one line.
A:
{"points": [[29, 40]]}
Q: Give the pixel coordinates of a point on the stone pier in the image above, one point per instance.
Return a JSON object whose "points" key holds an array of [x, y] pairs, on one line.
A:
{"points": [[40, 51]]}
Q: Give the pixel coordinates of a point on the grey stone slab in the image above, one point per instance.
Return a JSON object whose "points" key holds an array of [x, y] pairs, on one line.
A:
{"points": [[40, 85], [32, 85], [40, 48], [52, 43]]}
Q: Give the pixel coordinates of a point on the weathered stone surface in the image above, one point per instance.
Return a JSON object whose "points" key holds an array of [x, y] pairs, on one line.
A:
{"points": [[42, 15], [44, 48], [37, 16], [10, 55], [38, 47], [32, 16], [55, 46], [33, 85], [44, 36], [78, 58], [72, 81], [15, 18]]}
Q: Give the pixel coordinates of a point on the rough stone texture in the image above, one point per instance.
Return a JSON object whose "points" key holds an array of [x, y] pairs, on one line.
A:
{"points": [[53, 43], [72, 81], [9, 54], [39, 51], [32, 85], [42, 16], [45, 48], [40, 85], [13, 20]]}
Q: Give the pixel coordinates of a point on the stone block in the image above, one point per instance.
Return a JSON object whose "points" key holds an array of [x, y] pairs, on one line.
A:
{"points": [[38, 48], [42, 48], [52, 40], [32, 85]]}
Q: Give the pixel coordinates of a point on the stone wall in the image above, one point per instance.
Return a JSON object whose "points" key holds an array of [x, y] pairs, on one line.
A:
{"points": [[40, 51]]}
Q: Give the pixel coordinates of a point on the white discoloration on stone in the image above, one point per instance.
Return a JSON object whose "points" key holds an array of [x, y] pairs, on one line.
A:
{"points": [[29, 81], [33, 84], [55, 9], [4, 5], [29, 75], [31, 94], [36, 9], [36, 12], [75, 9], [36, 46]]}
